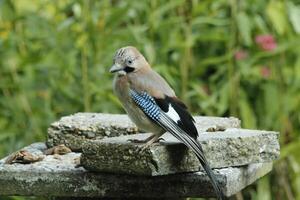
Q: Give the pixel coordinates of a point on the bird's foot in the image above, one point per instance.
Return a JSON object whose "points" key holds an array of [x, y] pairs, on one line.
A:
{"points": [[159, 140], [154, 141], [139, 141], [136, 141]]}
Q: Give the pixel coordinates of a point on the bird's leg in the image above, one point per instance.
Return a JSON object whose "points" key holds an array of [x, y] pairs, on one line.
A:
{"points": [[144, 140], [150, 142]]}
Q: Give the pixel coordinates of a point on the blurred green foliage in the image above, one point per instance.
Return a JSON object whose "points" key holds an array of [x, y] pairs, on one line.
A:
{"points": [[55, 56]]}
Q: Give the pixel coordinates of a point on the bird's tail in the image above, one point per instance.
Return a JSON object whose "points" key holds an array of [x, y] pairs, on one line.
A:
{"points": [[210, 174], [192, 143], [197, 149]]}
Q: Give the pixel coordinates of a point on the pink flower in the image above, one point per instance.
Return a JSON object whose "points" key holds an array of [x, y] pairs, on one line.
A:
{"points": [[265, 72], [240, 55], [266, 42]]}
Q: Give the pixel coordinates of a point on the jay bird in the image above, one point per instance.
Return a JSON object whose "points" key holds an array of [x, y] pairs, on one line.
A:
{"points": [[153, 106]]}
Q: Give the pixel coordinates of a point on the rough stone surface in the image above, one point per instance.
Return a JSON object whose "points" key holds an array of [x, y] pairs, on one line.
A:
{"points": [[57, 176], [233, 147], [75, 129]]}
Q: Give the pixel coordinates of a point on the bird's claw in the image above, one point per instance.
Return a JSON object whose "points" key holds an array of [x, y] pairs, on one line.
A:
{"points": [[143, 147]]}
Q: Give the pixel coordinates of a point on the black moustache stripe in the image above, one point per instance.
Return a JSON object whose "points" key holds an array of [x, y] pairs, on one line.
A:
{"points": [[128, 69]]}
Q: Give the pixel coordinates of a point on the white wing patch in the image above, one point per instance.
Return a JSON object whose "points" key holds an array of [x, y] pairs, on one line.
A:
{"points": [[173, 114]]}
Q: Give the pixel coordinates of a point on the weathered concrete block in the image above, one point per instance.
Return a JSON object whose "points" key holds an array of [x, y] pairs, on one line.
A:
{"points": [[75, 129], [233, 147], [58, 176]]}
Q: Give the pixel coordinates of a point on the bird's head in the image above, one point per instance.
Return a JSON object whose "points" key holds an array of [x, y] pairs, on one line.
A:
{"points": [[128, 60]]}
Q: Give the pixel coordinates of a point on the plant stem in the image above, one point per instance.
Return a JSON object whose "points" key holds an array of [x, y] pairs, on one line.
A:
{"points": [[85, 79]]}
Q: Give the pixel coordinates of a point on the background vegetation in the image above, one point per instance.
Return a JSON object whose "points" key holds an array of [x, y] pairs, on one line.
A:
{"points": [[223, 58]]}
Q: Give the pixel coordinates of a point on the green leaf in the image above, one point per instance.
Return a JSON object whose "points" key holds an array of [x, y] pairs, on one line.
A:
{"points": [[292, 148], [276, 13], [271, 102], [260, 23], [294, 16], [263, 189], [244, 26], [246, 111]]}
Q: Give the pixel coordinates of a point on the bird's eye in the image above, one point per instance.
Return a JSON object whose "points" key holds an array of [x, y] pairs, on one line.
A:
{"points": [[129, 62]]}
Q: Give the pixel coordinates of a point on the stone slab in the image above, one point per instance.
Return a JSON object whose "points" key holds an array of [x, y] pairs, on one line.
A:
{"points": [[232, 147], [58, 176], [75, 129]]}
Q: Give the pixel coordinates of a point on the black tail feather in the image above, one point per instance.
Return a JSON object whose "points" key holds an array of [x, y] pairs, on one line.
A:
{"points": [[197, 149], [212, 177], [192, 143]]}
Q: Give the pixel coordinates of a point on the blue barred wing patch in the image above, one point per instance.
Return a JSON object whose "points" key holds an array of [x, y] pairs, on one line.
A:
{"points": [[147, 104]]}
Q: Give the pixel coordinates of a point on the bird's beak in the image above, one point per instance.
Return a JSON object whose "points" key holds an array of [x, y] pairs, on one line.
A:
{"points": [[115, 68]]}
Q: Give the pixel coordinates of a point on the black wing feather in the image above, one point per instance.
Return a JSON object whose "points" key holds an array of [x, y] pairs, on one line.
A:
{"points": [[186, 121]]}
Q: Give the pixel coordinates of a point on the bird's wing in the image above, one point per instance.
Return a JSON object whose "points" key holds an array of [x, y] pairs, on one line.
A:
{"points": [[178, 112], [164, 96], [176, 120]]}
